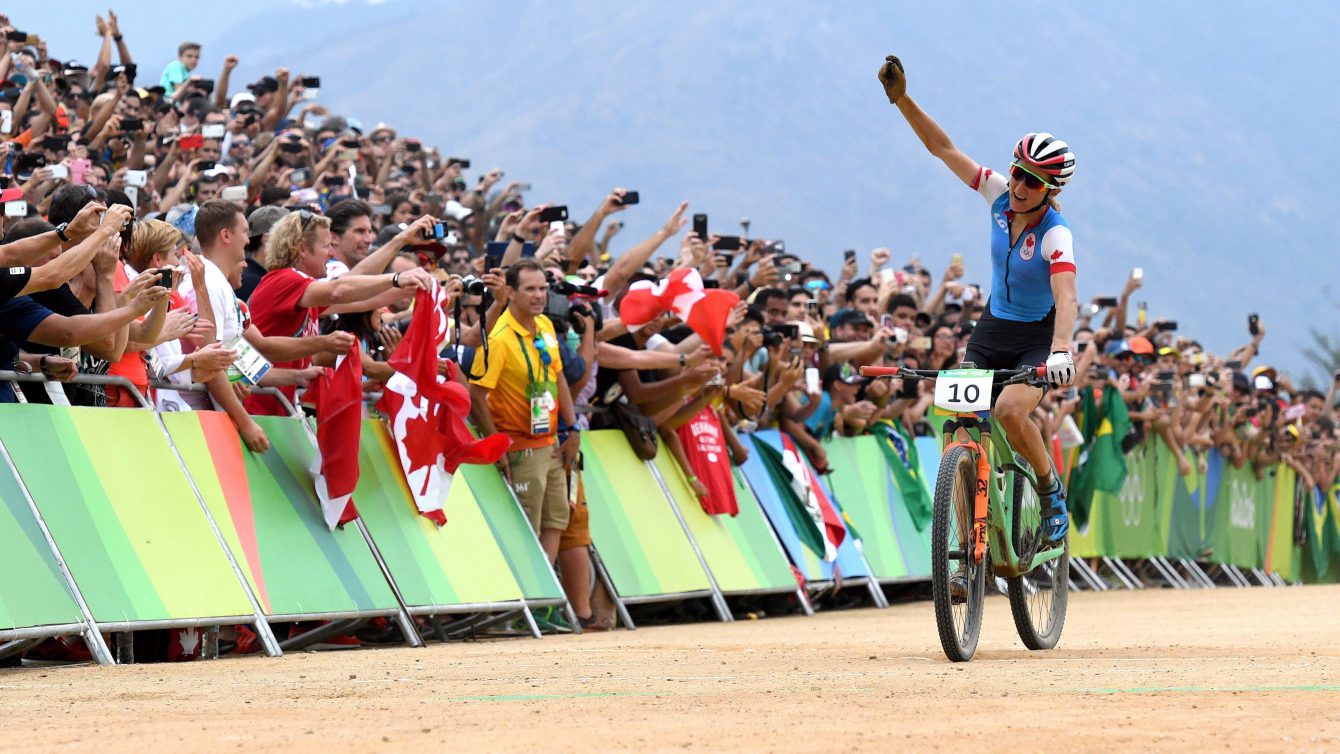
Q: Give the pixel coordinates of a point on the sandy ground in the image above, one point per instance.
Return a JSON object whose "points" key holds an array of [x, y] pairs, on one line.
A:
{"points": [[1230, 669]]}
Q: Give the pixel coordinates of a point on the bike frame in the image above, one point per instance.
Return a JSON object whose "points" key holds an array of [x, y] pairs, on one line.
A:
{"points": [[993, 515]]}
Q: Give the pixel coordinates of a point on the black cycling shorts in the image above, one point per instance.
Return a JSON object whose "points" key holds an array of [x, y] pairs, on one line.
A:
{"points": [[1005, 344]]}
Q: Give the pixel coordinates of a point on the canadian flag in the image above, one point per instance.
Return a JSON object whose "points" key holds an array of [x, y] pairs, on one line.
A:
{"points": [[338, 397], [704, 310], [426, 410]]}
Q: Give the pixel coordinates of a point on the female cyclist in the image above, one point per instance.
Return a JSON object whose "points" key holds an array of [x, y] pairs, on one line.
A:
{"points": [[1031, 312]]}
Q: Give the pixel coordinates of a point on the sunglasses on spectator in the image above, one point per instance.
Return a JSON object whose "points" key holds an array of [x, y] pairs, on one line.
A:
{"points": [[381, 140], [1032, 180], [817, 285]]}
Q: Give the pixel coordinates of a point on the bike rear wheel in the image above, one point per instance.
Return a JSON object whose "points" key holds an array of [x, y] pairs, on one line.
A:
{"points": [[958, 621], [1037, 598]]}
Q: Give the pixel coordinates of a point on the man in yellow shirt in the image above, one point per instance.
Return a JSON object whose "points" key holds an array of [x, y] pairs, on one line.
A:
{"points": [[522, 394]]}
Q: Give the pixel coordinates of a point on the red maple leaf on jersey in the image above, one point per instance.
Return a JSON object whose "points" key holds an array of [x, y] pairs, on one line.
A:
{"points": [[1056, 255]]}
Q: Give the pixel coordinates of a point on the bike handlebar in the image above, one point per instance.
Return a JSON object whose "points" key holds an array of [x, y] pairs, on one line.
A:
{"points": [[1001, 376]]}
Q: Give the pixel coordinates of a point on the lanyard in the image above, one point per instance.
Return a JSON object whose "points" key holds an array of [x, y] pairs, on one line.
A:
{"points": [[545, 358]]}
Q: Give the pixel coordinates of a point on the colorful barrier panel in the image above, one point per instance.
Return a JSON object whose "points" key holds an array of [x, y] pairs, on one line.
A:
{"points": [[512, 534], [811, 565], [641, 543], [124, 516], [863, 482], [35, 592], [269, 516], [740, 551], [437, 569]]}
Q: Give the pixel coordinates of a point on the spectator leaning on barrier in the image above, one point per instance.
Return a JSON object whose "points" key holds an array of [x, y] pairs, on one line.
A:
{"points": [[517, 387], [292, 296]]}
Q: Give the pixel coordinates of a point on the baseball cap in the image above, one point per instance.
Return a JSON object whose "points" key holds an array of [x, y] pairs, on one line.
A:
{"points": [[1117, 347], [261, 220], [1141, 346], [239, 98], [844, 373], [849, 317], [11, 195], [264, 85]]}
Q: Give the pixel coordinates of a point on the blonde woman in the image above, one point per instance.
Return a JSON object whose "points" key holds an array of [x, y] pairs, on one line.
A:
{"points": [[185, 346], [293, 296]]}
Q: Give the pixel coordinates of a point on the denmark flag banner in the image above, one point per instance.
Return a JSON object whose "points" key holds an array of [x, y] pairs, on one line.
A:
{"points": [[338, 397], [704, 310], [426, 411]]}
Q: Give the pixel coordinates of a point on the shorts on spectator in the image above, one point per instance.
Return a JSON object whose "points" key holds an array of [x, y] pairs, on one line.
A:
{"points": [[578, 533], [119, 397], [541, 487]]}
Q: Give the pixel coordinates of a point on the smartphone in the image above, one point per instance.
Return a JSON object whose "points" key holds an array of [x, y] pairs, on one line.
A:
{"points": [[812, 306], [204, 85], [1081, 347], [492, 262], [1233, 364], [1166, 326], [132, 69], [1253, 324], [922, 343], [1138, 273], [886, 321], [711, 283], [60, 171], [630, 198], [848, 255], [554, 214], [1105, 301], [56, 143], [434, 233], [700, 226], [16, 209], [301, 175], [413, 145], [135, 125], [165, 277], [333, 180], [464, 162], [15, 35], [6, 121], [1195, 380], [381, 210], [234, 194], [727, 243], [310, 82], [196, 141], [204, 165], [213, 131], [812, 385], [956, 259]]}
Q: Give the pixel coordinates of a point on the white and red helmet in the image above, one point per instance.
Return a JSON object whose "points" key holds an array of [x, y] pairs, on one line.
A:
{"points": [[1046, 156]]}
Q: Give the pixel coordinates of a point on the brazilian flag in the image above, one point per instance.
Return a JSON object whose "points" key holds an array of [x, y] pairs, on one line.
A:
{"points": [[1102, 465], [900, 450]]}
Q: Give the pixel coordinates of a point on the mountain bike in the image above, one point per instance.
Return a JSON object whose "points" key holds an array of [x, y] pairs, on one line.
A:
{"points": [[987, 516]]}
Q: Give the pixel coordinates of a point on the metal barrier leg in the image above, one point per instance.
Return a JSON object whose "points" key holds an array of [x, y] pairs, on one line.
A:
{"points": [[1194, 570], [718, 599], [1109, 562], [1087, 574], [1134, 579], [18, 646], [97, 646]]}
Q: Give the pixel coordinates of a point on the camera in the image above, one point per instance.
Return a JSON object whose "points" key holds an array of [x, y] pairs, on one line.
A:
{"points": [[629, 198], [473, 285], [775, 335]]}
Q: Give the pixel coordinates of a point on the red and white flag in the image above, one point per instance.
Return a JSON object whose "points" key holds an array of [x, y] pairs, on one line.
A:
{"points": [[426, 411], [338, 397], [704, 310]]}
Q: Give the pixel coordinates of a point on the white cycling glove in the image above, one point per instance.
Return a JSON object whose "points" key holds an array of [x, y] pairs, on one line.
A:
{"points": [[1060, 368]]}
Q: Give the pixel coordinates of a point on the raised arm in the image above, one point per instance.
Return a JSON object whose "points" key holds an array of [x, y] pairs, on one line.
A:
{"points": [[936, 141], [584, 241]]}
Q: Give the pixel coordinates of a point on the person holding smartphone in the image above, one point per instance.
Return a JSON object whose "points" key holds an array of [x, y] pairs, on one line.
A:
{"points": [[1033, 305]]}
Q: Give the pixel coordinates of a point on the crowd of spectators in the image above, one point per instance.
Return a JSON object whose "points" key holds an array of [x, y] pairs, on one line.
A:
{"points": [[175, 225]]}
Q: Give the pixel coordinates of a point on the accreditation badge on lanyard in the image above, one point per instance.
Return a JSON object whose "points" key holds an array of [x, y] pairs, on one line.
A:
{"points": [[539, 393]]}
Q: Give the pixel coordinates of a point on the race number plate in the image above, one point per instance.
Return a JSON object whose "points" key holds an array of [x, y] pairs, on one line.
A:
{"points": [[963, 391]]}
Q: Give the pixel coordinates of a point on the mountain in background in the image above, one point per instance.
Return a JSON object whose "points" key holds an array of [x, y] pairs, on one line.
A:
{"points": [[1202, 132]]}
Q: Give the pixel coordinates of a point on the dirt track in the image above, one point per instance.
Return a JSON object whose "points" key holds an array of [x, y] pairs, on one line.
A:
{"points": [[1231, 669]]}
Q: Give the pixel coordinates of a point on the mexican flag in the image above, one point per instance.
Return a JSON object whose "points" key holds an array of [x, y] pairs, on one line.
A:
{"points": [[900, 450], [1101, 466], [813, 515]]}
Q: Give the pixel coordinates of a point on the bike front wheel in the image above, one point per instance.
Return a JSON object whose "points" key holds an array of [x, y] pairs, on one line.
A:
{"points": [[958, 606], [1037, 598]]}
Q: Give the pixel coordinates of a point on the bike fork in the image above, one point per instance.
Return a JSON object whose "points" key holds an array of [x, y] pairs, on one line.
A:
{"points": [[980, 505]]}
